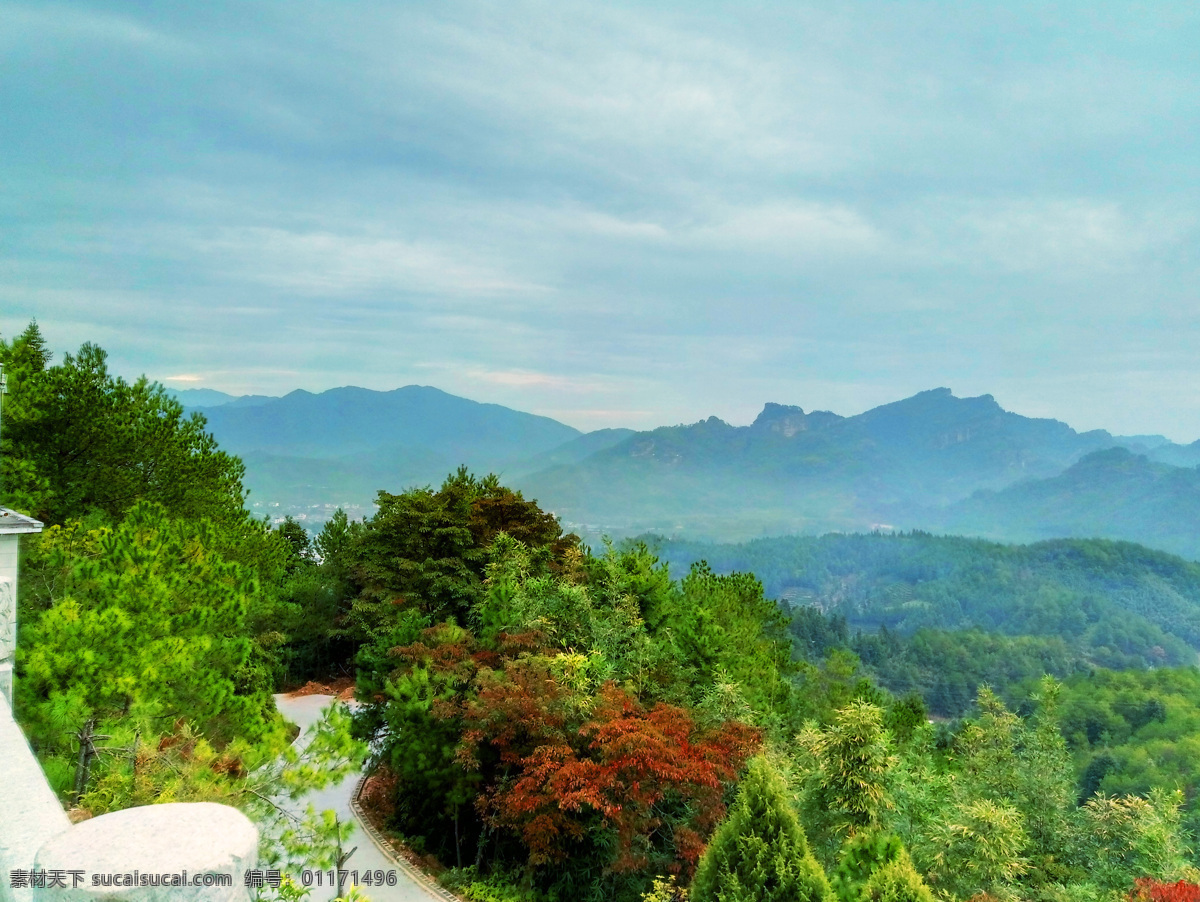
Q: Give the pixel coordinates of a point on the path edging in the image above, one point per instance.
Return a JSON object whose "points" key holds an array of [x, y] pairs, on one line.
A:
{"points": [[418, 876]]}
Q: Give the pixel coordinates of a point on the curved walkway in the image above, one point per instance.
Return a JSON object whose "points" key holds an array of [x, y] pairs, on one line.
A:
{"points": [[373, 852]]}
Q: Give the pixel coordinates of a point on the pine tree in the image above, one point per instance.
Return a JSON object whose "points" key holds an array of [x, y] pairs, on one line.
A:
{"points": [[149, 626], [760, 852]]}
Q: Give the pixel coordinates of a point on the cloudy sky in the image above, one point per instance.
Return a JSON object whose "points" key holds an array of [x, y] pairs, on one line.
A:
{"points": [[617, 214]]}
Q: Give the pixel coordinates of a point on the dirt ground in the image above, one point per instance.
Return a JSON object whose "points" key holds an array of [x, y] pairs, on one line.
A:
{"points": [[342, 688]]}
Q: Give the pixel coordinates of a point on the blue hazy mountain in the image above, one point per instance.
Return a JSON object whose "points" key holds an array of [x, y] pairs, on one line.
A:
{"points": [[1113, 494], [340, 447], [344, 421], [201, 398], [792, 471], [932, 461]]}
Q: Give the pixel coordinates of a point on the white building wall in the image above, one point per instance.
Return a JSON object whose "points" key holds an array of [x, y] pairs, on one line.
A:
{"points": [[9, 557]]}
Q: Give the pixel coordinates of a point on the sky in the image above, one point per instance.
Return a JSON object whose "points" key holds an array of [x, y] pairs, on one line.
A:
{"points": [[617, 214]]}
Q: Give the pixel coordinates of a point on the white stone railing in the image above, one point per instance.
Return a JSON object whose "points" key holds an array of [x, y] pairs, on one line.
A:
{"points": [[209, 846], [29, 811]]}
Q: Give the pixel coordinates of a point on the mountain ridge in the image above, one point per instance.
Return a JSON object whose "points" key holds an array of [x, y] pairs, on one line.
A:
{"points": [[930, 461], [818, 469], [350, 419]]}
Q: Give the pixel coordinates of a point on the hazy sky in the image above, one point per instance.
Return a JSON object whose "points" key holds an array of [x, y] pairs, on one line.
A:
{"points": [[617, 214]]}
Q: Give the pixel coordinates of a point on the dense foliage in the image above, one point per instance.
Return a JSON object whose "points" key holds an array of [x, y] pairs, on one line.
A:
{"points": [[146, 623], [562, 724], [577, 722], [942, 615], [150, 606], [578, 716]]}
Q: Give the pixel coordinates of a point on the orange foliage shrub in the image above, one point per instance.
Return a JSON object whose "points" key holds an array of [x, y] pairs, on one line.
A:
{"points": [[1147, 889]]}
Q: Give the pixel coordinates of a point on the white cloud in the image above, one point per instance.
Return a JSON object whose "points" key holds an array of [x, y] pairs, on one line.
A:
{"points": [[327, 263], [796, 227], [1080, 234]]}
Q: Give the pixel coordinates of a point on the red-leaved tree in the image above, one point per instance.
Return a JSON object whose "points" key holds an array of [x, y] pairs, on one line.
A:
{"points": [[563, 763]]}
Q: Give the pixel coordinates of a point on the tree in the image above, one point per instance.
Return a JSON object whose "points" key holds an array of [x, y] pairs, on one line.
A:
{"points": [[334, 544], [1022, 766], [298, 543], [980, 845], [862, 855], [95, 443], [576, 765], [725, 624], [1129, 837], [760, 852], [148, 624], [853, 757], [23, 360], [897, 881], [428, 549]]}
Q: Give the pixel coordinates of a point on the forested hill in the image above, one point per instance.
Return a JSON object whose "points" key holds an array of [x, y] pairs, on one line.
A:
{"points": [[792, 471], [1112, 494], [1115, 603]]}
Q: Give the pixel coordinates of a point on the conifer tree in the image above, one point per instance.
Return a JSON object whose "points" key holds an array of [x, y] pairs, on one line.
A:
{"points": [[149, 627], [897, 882], [760, 852]]}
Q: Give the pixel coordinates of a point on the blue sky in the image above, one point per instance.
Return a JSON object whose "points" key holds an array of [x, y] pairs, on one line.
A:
{"points": [[617, 214]]}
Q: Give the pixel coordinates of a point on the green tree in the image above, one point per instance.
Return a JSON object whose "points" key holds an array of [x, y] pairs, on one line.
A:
{"points": [[94, 443], [980, 846], [23, 359], [1023, 765], [760, 852], [725, 625], [148, 624], [428, 549], [297, 541], [853, 757], [334, 544], [897, 881], [862, 855], [1129, 837]]}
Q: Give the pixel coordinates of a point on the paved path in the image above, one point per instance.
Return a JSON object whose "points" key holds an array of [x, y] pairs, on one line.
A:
{"points": [[303, 711]]}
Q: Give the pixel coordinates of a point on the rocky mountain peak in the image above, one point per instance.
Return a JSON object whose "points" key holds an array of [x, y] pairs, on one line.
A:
{"points": [[785, 419]]}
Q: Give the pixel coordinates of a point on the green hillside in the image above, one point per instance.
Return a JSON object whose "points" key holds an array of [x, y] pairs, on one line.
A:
{"points": [[1076, 603], [1110, 494]]}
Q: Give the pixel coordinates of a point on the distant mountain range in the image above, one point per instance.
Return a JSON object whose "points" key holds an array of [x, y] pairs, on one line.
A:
{"points": [[897, 466], [207, 397], [309, 453], [932, 461], [413, 419]]}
